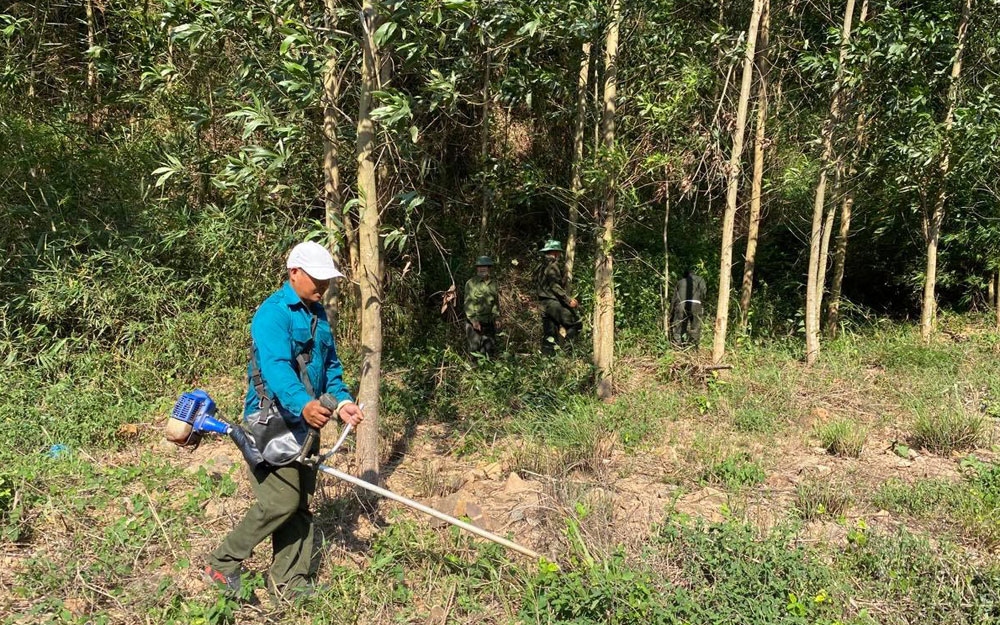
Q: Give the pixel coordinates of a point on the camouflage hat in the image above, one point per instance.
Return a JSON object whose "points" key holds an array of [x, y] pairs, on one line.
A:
{"points": [[484, 261], [552, 246]]}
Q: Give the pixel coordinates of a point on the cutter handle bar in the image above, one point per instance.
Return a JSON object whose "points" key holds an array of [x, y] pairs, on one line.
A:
{"points": [[388, 494]]}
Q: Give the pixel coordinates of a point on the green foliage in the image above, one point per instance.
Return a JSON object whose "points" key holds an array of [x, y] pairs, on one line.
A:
{"points": [[736, 574], [606, 592], [973, 505], [843, 438], [734, 471], [926, 584]]}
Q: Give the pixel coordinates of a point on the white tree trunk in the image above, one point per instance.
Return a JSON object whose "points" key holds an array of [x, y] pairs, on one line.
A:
{"points": [[576, 183], [817, 259], [729, 217], [756, 184], [928, 311]]}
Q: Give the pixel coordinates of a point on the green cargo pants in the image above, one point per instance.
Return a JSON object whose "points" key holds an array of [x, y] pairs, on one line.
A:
{"points": [[281, 512]]}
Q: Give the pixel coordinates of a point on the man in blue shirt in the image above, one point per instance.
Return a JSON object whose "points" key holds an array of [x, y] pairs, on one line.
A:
{"points": [[289, 323]]}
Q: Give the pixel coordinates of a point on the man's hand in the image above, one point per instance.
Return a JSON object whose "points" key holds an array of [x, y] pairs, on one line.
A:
{"points": [[351, 414], [316, 415], [573, 303], [478, 327]]}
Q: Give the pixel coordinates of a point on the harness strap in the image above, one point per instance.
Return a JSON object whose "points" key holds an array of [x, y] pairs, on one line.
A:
{"points": [[300, 364]]}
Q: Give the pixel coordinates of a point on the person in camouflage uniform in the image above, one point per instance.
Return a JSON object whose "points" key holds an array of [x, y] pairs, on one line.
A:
{"points": [[482, 309], [686, 309], [559, 310]]}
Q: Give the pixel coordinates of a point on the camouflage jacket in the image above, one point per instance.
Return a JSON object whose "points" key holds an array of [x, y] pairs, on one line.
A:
{"points": [[482, 303], [552, 283]]}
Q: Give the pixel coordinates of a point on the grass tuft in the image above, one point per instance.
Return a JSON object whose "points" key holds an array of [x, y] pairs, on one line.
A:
{"points": [[949, 431], [843, 438]]}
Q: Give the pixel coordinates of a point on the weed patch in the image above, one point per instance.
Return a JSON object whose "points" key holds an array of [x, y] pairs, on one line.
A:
{"points": [[948, 431], [843, 438], [735, 471]]}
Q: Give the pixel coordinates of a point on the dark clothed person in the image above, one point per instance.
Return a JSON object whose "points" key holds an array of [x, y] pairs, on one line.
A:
{"points": [[558, 308], [686, 309], [482, 309]]}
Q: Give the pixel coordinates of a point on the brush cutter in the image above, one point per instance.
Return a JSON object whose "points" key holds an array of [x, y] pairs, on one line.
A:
{"points": [[194, 415]]}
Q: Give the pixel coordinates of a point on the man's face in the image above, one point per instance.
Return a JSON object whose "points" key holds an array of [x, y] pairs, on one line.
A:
{"points": [[553, 254], [483, 271], [309, 289]]}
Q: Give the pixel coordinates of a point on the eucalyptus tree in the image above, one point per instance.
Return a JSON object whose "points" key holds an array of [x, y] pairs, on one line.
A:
{"points": [[920, 111], [933, 220], [846, 183], [822, 226], [604, 221], [732, 188], [757, 178]]}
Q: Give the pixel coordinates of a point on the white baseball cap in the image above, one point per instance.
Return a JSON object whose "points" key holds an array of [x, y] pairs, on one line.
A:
{"points": [[315, 260]]}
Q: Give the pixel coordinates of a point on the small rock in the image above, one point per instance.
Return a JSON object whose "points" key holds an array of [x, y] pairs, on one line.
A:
{"points": [[76, 607], [438, 616], [517, 514], [470, 476], [455, 504], [214, 509], [515, 484], [493, 471], [819, 414]]}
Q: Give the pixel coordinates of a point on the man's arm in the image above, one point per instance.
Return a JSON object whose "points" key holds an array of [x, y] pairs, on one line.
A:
{"points": [[554, 277], [471, 303], [272, 339]]}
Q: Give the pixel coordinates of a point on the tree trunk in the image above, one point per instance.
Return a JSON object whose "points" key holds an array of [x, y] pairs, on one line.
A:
{"points": [[666, 258], [991, 290], [817, 262], [484, 152], [846, 187], [996, 299], [92, 87], [729, 217], [604, 291], [839, 258], [370, 248], [753, 228], [576, 183], [928, 312], [332, 198]]}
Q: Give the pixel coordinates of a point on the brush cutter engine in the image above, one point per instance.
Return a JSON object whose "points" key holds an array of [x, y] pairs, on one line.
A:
{"points": [[194, 415]]}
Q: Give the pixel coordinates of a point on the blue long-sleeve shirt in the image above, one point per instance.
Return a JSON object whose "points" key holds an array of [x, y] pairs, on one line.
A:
{"points": [[281, 331]]}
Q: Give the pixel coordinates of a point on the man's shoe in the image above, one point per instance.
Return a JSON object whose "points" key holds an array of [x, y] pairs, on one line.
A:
{"points": [[230, 583]]}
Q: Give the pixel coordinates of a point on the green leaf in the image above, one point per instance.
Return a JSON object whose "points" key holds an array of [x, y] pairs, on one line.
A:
{"points": [[384, 32]]}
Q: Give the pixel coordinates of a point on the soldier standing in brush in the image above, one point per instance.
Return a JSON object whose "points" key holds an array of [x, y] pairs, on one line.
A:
{"points": [[686, 309], [482, 309], [559, 310]]}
